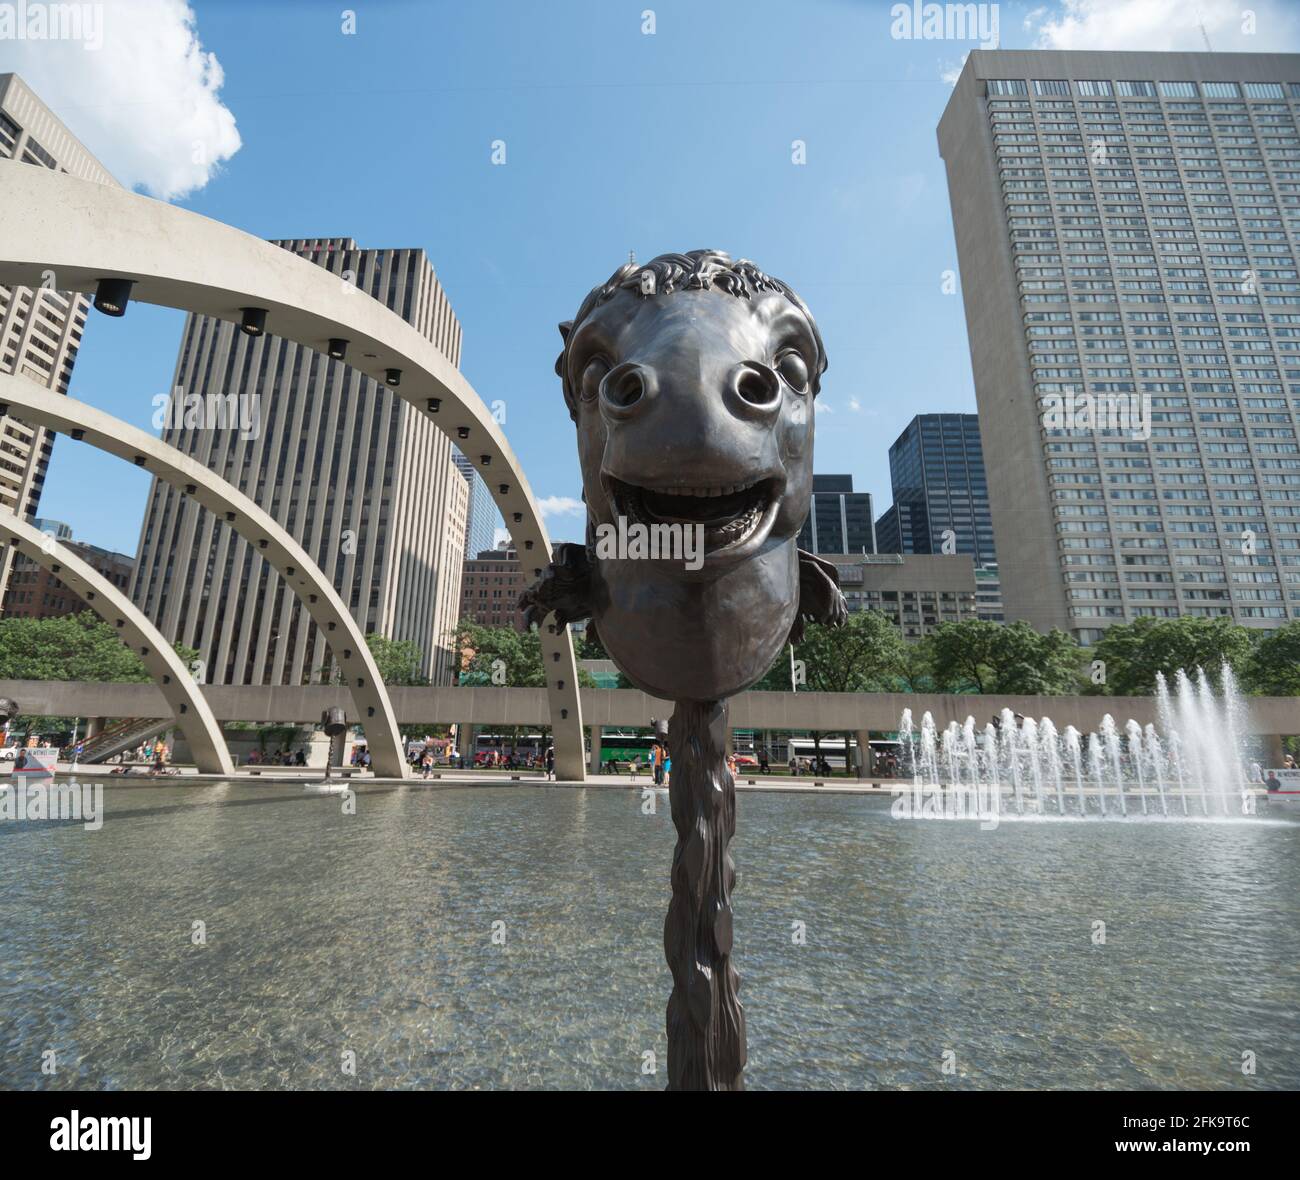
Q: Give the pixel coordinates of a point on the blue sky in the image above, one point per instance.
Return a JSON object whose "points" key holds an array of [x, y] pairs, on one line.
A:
{"points": [[615, 141]]}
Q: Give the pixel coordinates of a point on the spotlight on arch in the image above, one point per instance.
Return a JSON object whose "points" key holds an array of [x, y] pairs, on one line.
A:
{"points": [[393, 377], [254, 321], [112, 296], [338, 348]]}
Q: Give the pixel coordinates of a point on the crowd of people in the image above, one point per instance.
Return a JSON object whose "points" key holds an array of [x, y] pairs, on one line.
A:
{"points": [[277, 758], [425, 758], [153, 751]]}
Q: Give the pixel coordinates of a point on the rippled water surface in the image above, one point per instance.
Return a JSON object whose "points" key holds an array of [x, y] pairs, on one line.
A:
{"points": [[372, 934]]}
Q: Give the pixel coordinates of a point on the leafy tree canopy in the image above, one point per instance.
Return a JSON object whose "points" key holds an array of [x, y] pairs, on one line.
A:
{"points": [[503, 656], [71, 647], [986, 657], [864, 655], [1134, 652], [1274, 665]]}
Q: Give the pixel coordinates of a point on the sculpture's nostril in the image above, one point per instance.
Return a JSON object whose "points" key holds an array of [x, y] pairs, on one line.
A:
{"points": [[623, 386], [757, 386]]}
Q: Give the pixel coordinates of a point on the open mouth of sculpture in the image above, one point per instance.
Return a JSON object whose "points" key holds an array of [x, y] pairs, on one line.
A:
{"points": [[731, 515]]}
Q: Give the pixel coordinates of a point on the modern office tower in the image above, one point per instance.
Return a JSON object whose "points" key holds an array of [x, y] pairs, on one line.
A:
{"points": [[482, 517], [491, 586], [360, 478], [58, 529], [941, 501], [40, 330], [988, 593], [916, 592], [1126, 228], [840, 520]]}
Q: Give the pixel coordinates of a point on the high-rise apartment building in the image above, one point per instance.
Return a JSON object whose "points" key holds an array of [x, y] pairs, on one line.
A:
{"points": [[359, 477], [482, 515], [840, 520], [941, 499], [40, 330], [1126, 227]]}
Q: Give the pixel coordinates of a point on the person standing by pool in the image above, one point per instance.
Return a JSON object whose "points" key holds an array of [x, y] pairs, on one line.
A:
{"points": [[550, 763]]}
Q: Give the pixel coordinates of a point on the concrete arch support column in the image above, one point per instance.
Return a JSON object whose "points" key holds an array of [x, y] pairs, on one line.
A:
{"points": [[173, 678], [81, 232], [36, 404]]}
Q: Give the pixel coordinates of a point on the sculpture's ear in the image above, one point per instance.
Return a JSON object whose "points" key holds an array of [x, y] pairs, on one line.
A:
{"points": [[565, 328]]}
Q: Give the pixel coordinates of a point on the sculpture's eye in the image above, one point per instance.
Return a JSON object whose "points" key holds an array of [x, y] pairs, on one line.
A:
{"points": [[793, 369], [592, 376]]}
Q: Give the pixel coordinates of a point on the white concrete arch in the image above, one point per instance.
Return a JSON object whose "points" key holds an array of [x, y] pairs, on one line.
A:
{"points": [[36, 404], [173, 678], [56, 229]]}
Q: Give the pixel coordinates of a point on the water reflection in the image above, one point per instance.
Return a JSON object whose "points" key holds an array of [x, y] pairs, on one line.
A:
{"points": [[373, 933]]}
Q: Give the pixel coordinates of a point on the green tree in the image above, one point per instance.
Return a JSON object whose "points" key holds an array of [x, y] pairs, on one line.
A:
{"points": [[1274, 666], [986, 657], [914, 668], [862, 656], [1134, 652], [71, 647], [503, 656], [399, 660]]}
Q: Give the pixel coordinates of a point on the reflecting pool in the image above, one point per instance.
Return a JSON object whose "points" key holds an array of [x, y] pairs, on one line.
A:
{"points": [[512, 937]]}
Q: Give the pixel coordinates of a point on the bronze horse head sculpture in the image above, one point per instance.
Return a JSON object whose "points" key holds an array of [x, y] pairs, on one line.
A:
{"points": [[691, 381]]}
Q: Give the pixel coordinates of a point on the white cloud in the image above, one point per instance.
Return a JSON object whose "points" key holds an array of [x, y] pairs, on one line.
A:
{"points": [[1158, 25], [855, 405], [951, 72], [824, 407], [145, 103], [550, 506]]}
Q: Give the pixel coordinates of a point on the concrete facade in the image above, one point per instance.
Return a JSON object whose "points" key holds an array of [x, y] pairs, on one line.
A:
{"points": [[371, 705], [362, 480], [174, 685], [1126, 227], [916, 592], [40, 326], [179, 259], [481, 515], [826, 712]]}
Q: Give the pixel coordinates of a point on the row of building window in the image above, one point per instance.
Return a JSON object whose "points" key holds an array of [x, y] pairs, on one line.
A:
{"points": [[1102, 88]]}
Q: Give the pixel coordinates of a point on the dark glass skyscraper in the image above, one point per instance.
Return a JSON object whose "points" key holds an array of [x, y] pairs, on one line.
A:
{"points": [[840, 520], [936, 471]]}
